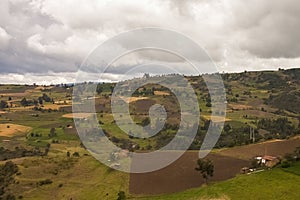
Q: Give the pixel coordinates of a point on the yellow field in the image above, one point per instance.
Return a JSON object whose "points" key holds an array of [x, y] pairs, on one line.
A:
{"points": [[161, 93], [77, 115], [133, 99], [54, 106], [14, 129], [215, 118]]}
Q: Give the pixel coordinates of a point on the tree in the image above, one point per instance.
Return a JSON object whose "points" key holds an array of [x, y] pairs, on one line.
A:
{"points": [[99, 89], [46, 98], [52, 132], [24, 102], [47, 149], [206, 168], [145, 121], [3, 104], [227, 127], [40, 100], [121, 195], [76, 154], [35, 102]]}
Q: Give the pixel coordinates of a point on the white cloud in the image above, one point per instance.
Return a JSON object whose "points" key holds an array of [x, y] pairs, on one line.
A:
{"points": [[34, 43], [38, 36], [4, 38]]}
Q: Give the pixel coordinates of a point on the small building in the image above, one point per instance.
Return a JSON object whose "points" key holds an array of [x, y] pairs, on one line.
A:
{"points": [[268, 161], [245, 170]]}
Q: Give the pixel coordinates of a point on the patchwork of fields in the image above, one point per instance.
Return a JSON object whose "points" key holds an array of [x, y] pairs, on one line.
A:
{"points": [[38, 135]]}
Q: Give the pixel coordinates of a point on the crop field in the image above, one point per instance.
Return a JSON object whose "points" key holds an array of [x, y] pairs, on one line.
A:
{"points": [[181, 174], [274, 147]]}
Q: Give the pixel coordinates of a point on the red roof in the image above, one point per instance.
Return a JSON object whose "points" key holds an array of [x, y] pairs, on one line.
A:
{"points": [[269, 158]]}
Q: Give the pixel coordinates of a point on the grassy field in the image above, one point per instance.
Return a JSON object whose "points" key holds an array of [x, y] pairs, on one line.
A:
{"points": [[72, 178]]}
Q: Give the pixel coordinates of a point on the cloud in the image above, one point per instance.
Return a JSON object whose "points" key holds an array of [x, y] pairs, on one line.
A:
{"points": [[42, 36], [268, 29], [4, 38], [58, 78]]}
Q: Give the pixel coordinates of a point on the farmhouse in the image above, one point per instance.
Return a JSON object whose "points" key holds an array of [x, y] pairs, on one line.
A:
{"points": [[268, 161]]}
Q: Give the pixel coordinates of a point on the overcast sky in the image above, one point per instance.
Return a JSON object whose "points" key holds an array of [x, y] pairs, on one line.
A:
{"points": [[45, 41]]}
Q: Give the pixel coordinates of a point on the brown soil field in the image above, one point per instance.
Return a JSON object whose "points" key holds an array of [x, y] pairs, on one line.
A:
{"points": [[181, 174], [77, 115], [13, 130], [273, 148], [21, 94], [143, 106]]}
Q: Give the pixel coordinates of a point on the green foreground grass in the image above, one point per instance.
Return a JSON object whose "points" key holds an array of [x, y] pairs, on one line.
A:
{"points": [[73, 178], [279, 184]]}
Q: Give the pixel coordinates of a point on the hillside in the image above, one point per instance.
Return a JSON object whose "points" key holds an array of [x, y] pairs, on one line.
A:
{"points": [[38, 134]]}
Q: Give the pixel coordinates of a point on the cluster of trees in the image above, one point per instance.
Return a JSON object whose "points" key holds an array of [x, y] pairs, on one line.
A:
{"points": [[125, 143], [3, 104], [144, 92], [230, 137], [18, 152], [7, 173], [277, 128], [40, 101], [290, 158], [164, 138], [108, 88]]}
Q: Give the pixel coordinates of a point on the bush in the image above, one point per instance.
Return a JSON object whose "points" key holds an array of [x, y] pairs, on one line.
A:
{"points": [[45, 182], [285, 164], [76, 154], [121, 195]]}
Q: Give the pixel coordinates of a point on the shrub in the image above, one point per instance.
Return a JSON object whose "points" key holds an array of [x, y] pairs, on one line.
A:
{"points": [[76, 154], [45, 182], [121, 195], [285, 164]]}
